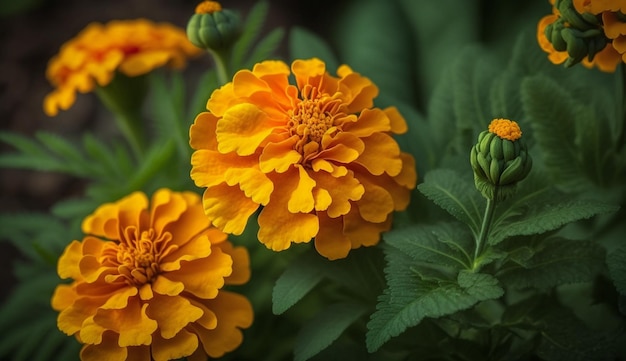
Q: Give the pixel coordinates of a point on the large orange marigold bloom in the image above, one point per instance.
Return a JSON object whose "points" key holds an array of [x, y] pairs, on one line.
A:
{"points": [[613, 20], [147, 282], [316, 156], [132, 47]]}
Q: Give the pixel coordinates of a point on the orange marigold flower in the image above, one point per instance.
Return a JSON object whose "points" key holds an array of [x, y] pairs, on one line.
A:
{"points": [[132, 47], [147, 282], [317, 156], [605, 59]]}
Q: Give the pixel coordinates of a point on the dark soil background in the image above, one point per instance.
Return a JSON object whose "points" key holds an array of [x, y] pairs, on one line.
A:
{"points": [[31, 32]]}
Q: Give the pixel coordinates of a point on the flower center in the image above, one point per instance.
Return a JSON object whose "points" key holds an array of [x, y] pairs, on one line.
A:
{"points": [[313, 117], [138, 258], [505, 129], [208, 7]]}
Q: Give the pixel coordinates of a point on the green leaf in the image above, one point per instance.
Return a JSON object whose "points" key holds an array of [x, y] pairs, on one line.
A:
{"points": [[443, 244], [410, 298], [566, 338], [24, 230], [442, 118], [555, 261], [207, 83], [553, 113], [297, 280], [251, 30], [326, 327], [168, 111], [616, 261], [266, 47], [540, 211], [106, 160], [456, 195], [304, 44], [74, 208], [375, 28]]}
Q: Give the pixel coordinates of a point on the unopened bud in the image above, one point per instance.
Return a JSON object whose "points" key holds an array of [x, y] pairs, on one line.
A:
{"points": [[212, 27], [499, 159]]}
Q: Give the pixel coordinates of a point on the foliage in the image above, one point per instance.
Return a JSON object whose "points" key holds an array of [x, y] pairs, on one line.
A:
{"points": [[549, 282]]}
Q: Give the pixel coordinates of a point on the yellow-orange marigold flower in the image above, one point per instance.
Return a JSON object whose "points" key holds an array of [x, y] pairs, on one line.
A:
{"points": [[132, 47], [147, 282], [316, 156], [606, 59]]}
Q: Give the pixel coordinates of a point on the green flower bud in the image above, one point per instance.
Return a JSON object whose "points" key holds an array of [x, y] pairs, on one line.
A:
{"points": [[499, 159], [212, 27]]}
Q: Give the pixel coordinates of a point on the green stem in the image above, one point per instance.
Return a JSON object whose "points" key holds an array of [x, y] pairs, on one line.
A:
{"points": [[484, 228], [221, 59]]}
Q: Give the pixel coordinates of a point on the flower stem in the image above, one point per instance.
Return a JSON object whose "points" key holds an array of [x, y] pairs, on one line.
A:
{"points": [[221, 59], [484, 228]]}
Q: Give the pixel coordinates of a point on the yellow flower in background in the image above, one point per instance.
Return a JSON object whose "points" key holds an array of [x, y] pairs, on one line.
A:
{"points": [[613, 20], [316, 157], [132, 47], [605, 59], [148, 282]]}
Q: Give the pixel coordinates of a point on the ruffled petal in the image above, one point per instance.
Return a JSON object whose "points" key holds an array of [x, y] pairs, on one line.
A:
{"points": [[228, 208], [202, 132], [330, 241], [381, 155], [278, 227], [107, 350], [172, 314], [180, 345], [242, 129], [205, 276]]}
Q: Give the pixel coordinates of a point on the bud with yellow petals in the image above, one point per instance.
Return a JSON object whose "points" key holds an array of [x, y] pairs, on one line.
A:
{"points": [[212, 27], [499, 159]]}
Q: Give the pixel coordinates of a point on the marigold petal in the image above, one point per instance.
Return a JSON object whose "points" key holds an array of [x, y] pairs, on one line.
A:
{"points": [[228, 208], [396, 120], [376, 203], [363, 233], [246, 84], [202, 132], [63, 297], [278, 228], [132, 324], [209, 167], [252, 182], [119, 299], [359, 90], [305, 70], [301, 199], [144, 62], [172, 314], [241, 263], [381, 155], [408, 176], [242, 129], [323, 200], [182, 344], [107, 350], [278, 157], [341, 189], [330, 241], [164, 286], [166, 207], [234, 312], [222, 99], [343, 148], [204, 277], [198, 247], [67, 267], [370, 121]]}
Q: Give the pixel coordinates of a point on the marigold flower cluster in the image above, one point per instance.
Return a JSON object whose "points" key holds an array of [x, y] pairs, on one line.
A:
{"points": [[592, 32], [132, 47], [147, 282], [315, 157]]}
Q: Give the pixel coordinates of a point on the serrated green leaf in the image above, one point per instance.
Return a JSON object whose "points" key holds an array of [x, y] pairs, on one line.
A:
{"points": [[25, 230], [99, 153], [250, 31], [61, 147], [297, 280], [304, 44], [360, 45], [541, 211], [554, 262], [456, 195], [616, 261], [442, 244], [327, 325], [266, 47], [552, 113], [361, 273], [409, 299]]}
